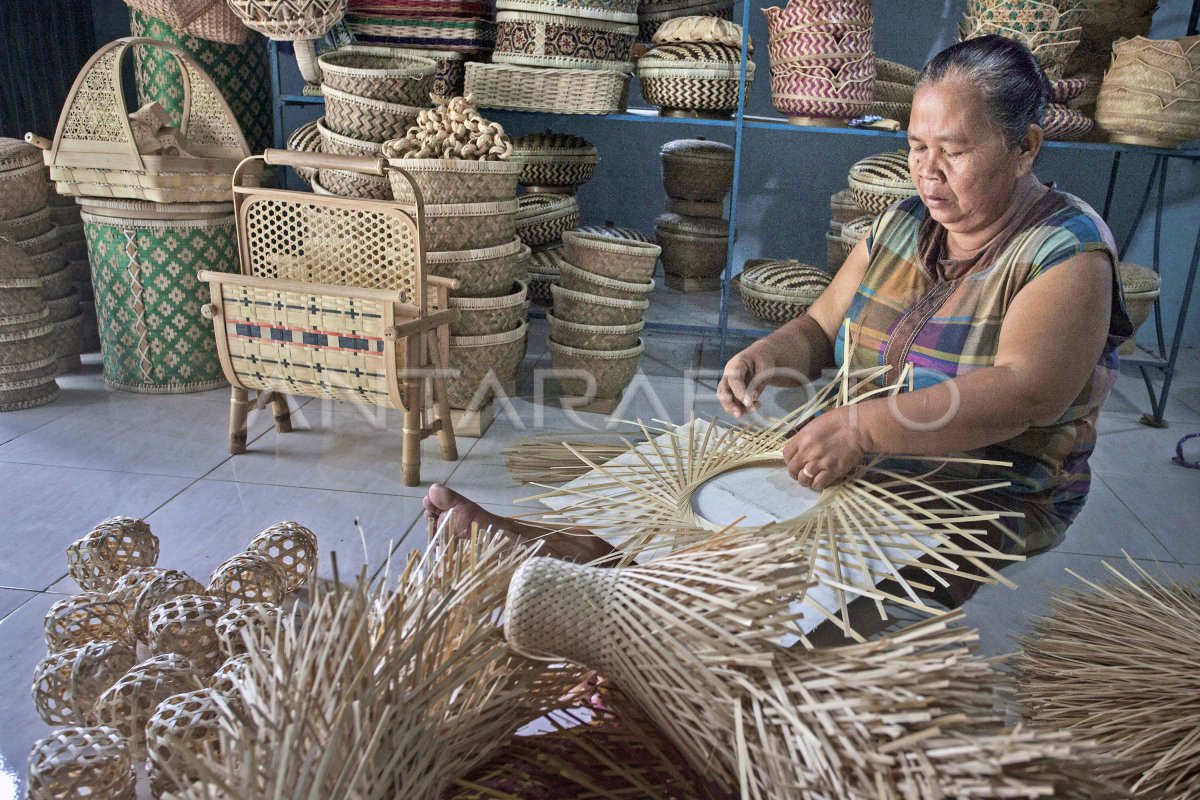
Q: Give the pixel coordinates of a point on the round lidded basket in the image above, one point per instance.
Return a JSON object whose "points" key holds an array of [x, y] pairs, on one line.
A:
{"points": [[366, 119], [879, 181], [614, 231], [697, 169], [554, 162], [478, 363], [779, 291], [624, 11], [611, 369], [694, 251], [486, 272], [29, 226], [82, 762], [594, 337], [700, 30], [606, 257], [590, 309], [695, 79], [379, 73], [580, 280], [534, 39], [543, 217], [1141, 287], [451, 180], [23, 184], [483, 316]]}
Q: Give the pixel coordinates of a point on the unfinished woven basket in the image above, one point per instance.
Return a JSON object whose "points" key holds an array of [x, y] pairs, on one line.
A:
{"points": [[545, 217], [554, 162], [558, 91], [379, 73], [590, 309], [449, 180], [604, 256], [479, 364], [780, 291], [366, 119], [289, 19], [535, 39], [26, 227], [693, 77], [579, 280], [697, 169], [612, 370], [483, 316], [881, 180], [22, 179], [594, 337], [694, 251], [486, 272]]}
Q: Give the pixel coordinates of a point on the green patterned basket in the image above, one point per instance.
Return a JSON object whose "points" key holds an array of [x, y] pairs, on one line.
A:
{"points": [[148, 298], [242, 73]]}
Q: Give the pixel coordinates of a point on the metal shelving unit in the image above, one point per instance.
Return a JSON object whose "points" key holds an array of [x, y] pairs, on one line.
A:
{"points": [[1162, 361]]}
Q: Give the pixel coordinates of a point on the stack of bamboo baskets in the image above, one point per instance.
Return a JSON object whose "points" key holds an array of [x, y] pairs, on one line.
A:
{"points": [[1051, 30], [1105, 22], [876, 182], [892, 96], [694, 235], [1151, 93], [843, 209]]}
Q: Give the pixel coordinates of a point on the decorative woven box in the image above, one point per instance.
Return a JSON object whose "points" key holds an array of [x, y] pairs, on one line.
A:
{"points": [[555, 91], [22, 179], [594, 337], [1060, 122], [695, 77], [148, 297], [779, 291], [486, 272], [449, 180], [545, 266], [694, 251], [554, 162], [435, 8], [549, 40], [379, 73], [481, 316], [697, 169], [880, 180], [366, 119], [543, 218], [653, 15], [472, 358], [443, 33]]}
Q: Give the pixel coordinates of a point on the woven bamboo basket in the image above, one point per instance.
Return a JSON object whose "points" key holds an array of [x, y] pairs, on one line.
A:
{"points": [[594, 337], [305, 139], [470, 226], [623, 11], [620, 260], [843, 207], [653, 15], [888, 92], [451, 68], [481, 273], [554, 162], [1135, 117], [896, 73], [15, 264], [352, 184], [836, 250], [57, 284], [483, 316], [82, 762], [449, 180], [854, 230], [901, 112], [808, 49], [476, 35], [68, 337], [880, 180], [613, 231], [42, 243], [536, 39], [22, 179], [545, 266], [612, 370], [1067, 89], [73, 242], [590, 309], [544, 218], [289, 19], [333, 142], [25, 227], [697, 169], [48, 263], [1180, 57], [695, 208], [366, 119], [1060, 122], [579, 280], [1141, 287], [698, 78], [63, 215], [26, 342], [474, 357], [94, 153], [810, 14], [21, 301], [28, 385], [780, 291], [557, 91], [63, 307], [210, 20], [379, 73], [819, 93], [148, 298], [1140, 77], [694, 251]]}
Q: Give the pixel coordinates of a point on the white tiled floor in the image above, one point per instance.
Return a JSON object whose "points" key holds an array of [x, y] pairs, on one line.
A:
{"points": [[94, 453]]}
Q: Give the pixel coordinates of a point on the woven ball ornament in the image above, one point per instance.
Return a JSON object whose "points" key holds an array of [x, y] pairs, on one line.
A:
{"points": [[153, 591], [248, 578], [247, 616], [129, 703], [128, 585], [87, 617], [112, 548], [82, 762], [187, 625], [230, 676], [183, 725], [292, 547], [67, 683]]}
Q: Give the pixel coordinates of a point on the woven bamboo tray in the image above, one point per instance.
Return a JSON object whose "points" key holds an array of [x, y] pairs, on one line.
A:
{"points": [[289, 19], [694, 251], [545, 217], [780, 291], [584, 282], [22, 179], [472, 358], [554, 162], [880, 180], [27, 226], [379, 73], [622, 11], [456, 180], [549, 40], [590, 309], [557, 91], [481, 273], [612, 370], [653, 15], [483, 316], [594, 337], [1141, 288], [697, 169], [366, 119], [436, 32], [606, 257]]}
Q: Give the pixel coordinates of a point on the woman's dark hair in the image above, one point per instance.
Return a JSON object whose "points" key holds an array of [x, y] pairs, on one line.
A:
{"points": [[1013, 84]]}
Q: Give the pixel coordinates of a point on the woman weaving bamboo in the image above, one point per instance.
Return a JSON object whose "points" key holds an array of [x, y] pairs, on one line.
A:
{"points": [[1001, 291]]}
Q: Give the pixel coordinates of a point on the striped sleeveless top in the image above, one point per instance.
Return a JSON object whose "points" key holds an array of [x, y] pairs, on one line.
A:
{"points": [[905, 311]]}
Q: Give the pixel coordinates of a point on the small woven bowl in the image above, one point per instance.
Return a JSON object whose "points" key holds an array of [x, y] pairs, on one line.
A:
{"points": [[617, 259], [367, 119], [580, 280], [485, 272], [590, 309], [483, 316], [594, 337], [612, 370], [379, 73]]}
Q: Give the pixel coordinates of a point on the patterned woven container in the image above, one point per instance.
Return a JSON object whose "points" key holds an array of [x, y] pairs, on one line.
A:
{"points": [[22, 179], [622, 11], [289, 19], [545, 266], [620, 260], [694, 251], [544, 218], [697, 169], [779, 291], [613, 231], [334, 142], [483, 316], [242, 72], [481, 362], [580, 280], [67, 336], [448, 180], [1060, 122], [148, 299], [804, 93], [26, 227], [594, 337], [653, 15], [843, 207], [611, 369], [1065, 90], [880, 180], [807, 48], [379, 73], [305, 139], [549, 40], [1141, 287], [366, 119], [696, 77], [554, 162], [556, 91], [437, 32], [482, 273], [25, 386], [695, 208], [451, 68], [82, 762], [590, 309]]}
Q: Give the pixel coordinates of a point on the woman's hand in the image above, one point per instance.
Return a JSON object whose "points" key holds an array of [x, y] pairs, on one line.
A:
{"points": [[825, 450], [744, 377]]}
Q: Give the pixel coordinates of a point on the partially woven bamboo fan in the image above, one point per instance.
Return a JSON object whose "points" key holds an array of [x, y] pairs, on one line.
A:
{"points": [[382, 691], [1116, 663]]}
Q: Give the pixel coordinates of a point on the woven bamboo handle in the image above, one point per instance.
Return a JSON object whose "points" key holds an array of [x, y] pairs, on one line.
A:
{"points": [[39, 141], [294, 158]]}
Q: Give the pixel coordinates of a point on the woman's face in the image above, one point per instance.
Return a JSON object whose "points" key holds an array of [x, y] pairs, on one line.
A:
{"points": [[959, 161]]}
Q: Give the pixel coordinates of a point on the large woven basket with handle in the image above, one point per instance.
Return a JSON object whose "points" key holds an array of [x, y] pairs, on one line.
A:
{"points": [[779, 291]]}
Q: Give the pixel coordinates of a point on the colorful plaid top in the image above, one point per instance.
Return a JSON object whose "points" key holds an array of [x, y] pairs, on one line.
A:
{"points": [[907, 310]]}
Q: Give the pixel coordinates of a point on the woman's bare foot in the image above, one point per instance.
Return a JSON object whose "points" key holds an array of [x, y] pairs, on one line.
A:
{"points": [[441, 500]]}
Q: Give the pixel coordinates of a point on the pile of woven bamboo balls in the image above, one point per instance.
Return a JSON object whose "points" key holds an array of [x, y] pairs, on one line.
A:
{"points": [[144, 657]]}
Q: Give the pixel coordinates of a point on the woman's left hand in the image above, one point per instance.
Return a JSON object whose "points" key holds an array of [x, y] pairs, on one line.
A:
{"points": [[825, 450]]}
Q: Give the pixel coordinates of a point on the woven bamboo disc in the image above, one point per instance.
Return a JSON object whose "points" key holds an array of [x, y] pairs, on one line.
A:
{"points": [[481, 365], [621, 260], [110, 550], [75, 621], [67, 683], [82, 762], [257, 617], [248, 578], [183, 727], [590, 309], [187, 625], [128, 704], [292, 547], [483, 316]]}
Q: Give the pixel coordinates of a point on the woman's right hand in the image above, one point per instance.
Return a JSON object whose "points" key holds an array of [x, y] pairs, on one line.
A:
{"points": [[744, 377]]}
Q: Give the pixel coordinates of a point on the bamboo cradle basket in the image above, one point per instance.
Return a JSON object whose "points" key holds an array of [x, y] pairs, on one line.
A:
{"points": [[94, 152]]}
